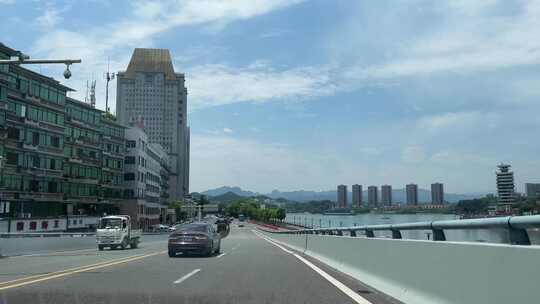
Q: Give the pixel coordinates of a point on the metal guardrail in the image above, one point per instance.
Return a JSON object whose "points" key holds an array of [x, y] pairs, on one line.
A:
{"points": [[516, 225]]}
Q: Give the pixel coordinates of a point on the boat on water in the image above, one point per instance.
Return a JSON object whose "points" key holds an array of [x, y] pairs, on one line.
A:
{"points": [[385, 218]]}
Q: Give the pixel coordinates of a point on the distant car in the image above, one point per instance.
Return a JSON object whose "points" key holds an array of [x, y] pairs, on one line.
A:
{"points": [[241, 224], [199, 238], [159, 227], [222, 225]]}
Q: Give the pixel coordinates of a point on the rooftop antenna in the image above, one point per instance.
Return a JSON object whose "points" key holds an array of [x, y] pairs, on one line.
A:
{"points": [[93, 93], [86, 95], [108, 76]]}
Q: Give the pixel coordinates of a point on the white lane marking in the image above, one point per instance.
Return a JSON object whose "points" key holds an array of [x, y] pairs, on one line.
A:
{"points": [[221, 255], [187, 276], [272, 242], [346, 290]]}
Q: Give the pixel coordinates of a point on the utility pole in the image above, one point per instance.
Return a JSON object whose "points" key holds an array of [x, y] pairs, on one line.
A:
{"points": [[108, 76]]}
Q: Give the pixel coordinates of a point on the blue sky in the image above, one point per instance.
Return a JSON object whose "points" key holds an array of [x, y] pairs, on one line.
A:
{"points": [[309, 94]]}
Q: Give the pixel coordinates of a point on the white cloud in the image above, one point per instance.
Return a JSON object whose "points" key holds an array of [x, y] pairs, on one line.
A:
{"points": [[145, 20], [370, 151], [49, 19], [446, 120], [470, 37], [274, 33], [212, 85], [413, 154], [259, 166], [227, 130]]}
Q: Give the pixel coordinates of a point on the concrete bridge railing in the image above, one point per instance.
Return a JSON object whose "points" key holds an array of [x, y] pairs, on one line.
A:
{"points": [[422, 271], [516, 226]]}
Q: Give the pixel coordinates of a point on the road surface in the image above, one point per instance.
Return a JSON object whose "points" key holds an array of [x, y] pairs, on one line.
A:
{"points": [[250, 269]]}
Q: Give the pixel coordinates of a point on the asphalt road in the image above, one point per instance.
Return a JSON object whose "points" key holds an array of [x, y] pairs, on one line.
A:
{"points": [[250, 269]]}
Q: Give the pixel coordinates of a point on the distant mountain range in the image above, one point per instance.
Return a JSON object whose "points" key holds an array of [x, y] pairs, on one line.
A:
{"points": [[398, 195]]}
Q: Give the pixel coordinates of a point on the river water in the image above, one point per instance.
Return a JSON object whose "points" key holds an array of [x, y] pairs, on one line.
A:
{"points": [[478, 235]]}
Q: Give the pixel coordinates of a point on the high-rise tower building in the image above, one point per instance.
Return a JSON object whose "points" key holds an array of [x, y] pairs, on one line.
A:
{"points": [[342, 196], [437, 194], [150, 91], [372, 196], [357, 195], [412, 194], [386, 195], [505, 185]]}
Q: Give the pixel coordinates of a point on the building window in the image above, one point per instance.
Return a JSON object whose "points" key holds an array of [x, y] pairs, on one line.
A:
{"points": [[33, 225], [44, 225], [53, 187], [12, 158], [56, 223], [20, 226], [131, 144], [36, 162], [13, 133], [129, 160], [35, 138], [55, 141], [129, 176], [34, 186]]}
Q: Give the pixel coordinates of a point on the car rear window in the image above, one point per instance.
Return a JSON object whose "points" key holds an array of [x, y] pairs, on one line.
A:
{"points": [[193, 227]]}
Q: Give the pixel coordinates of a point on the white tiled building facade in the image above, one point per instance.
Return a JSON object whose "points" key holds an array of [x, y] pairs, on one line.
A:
{"points": [[145, 179]]}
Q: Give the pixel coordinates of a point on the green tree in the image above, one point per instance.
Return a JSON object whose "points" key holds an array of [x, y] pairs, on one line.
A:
{"points": [[281, 214], [177, 206]]}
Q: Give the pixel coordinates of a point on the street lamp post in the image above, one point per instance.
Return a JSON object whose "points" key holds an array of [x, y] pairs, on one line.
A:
{"points": [[21, 58]]}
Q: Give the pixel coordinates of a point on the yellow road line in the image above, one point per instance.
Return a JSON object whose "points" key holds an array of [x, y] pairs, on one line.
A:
{"points": [[63, 273]]}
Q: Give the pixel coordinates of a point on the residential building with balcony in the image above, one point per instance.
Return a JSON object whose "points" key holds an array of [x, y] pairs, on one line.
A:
{"points": [[61, 156], [113, 145], [32, 126]]}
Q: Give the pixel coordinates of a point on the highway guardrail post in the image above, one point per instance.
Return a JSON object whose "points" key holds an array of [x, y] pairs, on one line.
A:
{"points": [[396, 234], [369, 233]]}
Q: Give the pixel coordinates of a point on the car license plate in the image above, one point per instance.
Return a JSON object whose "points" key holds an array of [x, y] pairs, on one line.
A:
{"points": [[187, 239]]}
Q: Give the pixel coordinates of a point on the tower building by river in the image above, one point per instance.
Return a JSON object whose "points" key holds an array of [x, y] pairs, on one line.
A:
{"points": [[342, 196], [356, 195], [505, 186], [386, 195], [437, 194], [412, 194], [373, 200]]}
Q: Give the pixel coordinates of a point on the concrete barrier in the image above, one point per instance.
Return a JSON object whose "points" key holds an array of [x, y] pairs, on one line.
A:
{"points": [[31, 245], [17, 244], [416, 271]]}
